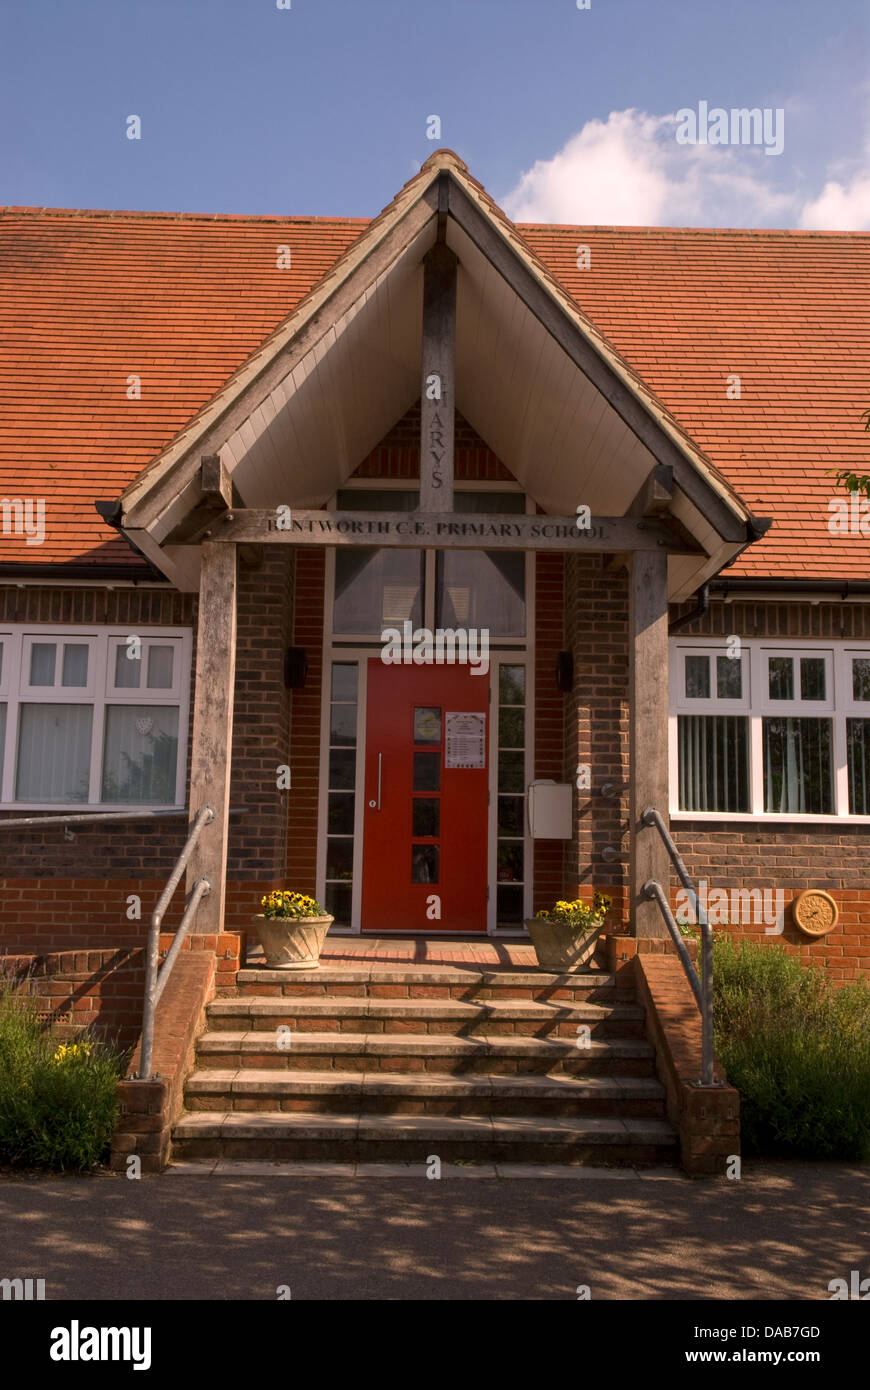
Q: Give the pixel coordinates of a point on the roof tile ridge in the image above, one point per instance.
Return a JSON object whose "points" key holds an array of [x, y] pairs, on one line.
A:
{"points": [[132, 214], [638, 228]]}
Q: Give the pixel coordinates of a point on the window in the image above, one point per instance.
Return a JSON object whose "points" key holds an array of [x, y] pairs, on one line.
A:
{"points": [[481, 589], [93, 717], [511, 787], [341, 791], [770, 729], [377, 588]]}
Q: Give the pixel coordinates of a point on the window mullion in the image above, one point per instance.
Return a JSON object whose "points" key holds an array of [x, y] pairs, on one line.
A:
{"points": [[13, 705], [100, 653], [429, 591], [841, 770]]}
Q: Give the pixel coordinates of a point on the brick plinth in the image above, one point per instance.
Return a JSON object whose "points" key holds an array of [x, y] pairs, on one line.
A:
{"points": [[706, 1118], [150, 1108]]}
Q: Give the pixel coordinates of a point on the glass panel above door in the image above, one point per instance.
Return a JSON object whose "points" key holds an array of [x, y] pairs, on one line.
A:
{"points": [[375, 589], [481, 589]]}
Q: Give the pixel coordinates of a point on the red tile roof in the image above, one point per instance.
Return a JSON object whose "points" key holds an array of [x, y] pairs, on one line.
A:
{"points": [[88, 299]]}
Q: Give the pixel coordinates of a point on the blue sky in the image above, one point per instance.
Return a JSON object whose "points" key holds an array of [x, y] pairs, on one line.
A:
{"points": [[564, 114]]}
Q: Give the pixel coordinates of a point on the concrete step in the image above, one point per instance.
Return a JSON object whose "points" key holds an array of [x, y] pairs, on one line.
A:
{"points": [[437, 982], [424, 1052], [402, 1093], [529, 1017], [277, 1136]]}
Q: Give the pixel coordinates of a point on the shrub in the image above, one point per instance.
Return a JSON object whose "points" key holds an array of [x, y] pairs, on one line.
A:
{"points": [[797, 1047], [58, 1103]]}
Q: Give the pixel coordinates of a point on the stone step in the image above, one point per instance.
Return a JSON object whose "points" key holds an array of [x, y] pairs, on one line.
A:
{"points": [[436, 982], [276, 1136], [379, 1092], [424, 1052], [533, 1018]]}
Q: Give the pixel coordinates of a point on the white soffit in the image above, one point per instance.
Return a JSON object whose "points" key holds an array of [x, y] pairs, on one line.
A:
{"points": [[322, 419], [522, 393]]}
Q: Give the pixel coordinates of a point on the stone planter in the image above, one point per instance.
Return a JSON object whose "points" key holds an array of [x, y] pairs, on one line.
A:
{"points": [[292, 943], [560, 947]]}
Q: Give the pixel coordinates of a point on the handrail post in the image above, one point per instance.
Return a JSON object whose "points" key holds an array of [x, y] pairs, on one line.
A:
{"points": [[652, 817], [155, 981]]}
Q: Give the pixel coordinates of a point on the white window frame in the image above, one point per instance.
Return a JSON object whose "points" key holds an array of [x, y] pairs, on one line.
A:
{"points": [[49, 694], [715, 704], [756, 706], [100, 692]]}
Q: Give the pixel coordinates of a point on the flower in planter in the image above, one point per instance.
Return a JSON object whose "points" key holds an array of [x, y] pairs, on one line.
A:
{"points": [[578, 913], [279, 903]]}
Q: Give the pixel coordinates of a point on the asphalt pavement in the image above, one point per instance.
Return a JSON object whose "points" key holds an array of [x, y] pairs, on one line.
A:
{"points": [[782, 1231]]}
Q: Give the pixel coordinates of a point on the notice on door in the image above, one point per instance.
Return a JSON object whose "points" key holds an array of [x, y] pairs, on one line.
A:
{"points": [[465, 739]]}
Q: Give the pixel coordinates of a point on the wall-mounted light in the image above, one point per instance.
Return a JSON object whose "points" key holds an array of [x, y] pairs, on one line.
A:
{"points": [[565, 672], [295, 668]]}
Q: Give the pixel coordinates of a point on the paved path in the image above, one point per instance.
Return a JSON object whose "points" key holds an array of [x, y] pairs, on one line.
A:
{"points": [[783, 1231]]}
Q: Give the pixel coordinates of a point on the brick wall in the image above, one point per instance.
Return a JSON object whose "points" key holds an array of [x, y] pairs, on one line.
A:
{"points": [[596, 725], [398, 454], [100, 989], [549, 715], [305, 726]]}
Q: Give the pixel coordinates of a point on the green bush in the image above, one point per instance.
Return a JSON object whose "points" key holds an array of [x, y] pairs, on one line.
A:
{"points": [[58, 1102], [797, 1047]]}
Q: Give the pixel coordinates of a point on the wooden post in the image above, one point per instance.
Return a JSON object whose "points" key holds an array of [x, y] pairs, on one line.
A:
{"points": [[211, 752], [438, 390], [648, 732]]}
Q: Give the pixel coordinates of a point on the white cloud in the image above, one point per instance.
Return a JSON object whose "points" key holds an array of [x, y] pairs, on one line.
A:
{"points": [[630, 170], [841, 207]]}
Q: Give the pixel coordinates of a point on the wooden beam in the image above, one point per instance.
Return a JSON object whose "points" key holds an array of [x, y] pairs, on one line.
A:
{"points": [[468, 531], [648, 734], [216, 484], [438, 388], [216, 496], [213, 727], [655, 494]]}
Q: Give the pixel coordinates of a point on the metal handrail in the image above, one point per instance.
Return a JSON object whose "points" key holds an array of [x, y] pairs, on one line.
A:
{"points": [[80, 817], [155, 979], [703, 988]]}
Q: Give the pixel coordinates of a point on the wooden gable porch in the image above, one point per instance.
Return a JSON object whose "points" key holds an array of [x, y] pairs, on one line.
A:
{"points": [[235, 482]]}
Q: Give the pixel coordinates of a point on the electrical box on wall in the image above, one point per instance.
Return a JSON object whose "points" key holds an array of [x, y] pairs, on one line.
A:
{"points": [[550, 805]]}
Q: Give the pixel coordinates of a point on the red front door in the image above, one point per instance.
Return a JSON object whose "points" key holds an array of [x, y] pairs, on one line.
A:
{"points": [[426, 782]]}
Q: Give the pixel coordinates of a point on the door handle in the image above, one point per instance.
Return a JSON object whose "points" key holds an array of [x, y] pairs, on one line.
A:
{"points": [[376, 805]]}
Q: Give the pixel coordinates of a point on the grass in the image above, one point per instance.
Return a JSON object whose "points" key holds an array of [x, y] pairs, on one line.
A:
{"points": [[797, 1047], [58, 1103]]}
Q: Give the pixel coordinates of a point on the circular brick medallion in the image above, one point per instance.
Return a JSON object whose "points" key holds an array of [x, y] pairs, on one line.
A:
{"points": [[815, 912]]}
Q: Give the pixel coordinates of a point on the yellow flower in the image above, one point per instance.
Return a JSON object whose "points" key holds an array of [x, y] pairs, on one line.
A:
{"points": [[72, 1052]]}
